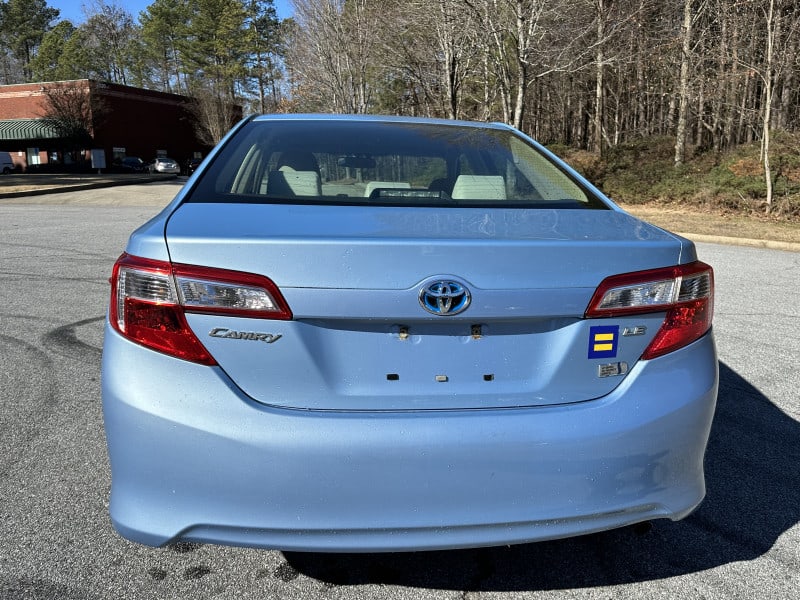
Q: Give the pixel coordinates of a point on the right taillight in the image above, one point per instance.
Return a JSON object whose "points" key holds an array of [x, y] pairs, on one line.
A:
{"points": [[684, 292], [149, 299]]}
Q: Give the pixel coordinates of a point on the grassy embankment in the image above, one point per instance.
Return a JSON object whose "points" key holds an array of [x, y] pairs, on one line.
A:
{"points": [[713, 193]]}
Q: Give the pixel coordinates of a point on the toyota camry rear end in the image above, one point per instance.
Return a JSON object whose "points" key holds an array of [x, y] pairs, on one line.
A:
{"points": [[380, 334]]}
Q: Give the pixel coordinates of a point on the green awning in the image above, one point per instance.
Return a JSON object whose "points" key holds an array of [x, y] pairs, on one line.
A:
{"points": [[28, 129]]}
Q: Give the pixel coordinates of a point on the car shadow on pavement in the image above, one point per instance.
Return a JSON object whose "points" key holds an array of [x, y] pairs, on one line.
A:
{"points": [[753, 497]]}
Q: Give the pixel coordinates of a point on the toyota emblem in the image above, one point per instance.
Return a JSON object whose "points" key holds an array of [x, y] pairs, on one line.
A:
{"points": [[444, 298]]}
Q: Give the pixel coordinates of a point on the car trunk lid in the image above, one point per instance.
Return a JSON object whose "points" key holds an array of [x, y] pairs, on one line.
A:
{"points": [[361, 338]]}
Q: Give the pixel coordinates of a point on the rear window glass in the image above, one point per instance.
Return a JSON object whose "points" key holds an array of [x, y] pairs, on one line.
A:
{"points": [[385, 163]]}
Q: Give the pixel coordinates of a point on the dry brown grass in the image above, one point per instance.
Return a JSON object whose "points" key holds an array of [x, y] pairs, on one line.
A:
{"points": [[697, 221]]}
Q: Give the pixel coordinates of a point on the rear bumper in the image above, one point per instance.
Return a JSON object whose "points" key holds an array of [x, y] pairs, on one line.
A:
{"points": [[205, 463]]}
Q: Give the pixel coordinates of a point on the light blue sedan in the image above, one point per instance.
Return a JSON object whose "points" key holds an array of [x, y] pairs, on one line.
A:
{"points": [[383, 334]]}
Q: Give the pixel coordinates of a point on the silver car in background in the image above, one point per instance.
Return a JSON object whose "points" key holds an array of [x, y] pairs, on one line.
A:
{"points": [[164, 164]]}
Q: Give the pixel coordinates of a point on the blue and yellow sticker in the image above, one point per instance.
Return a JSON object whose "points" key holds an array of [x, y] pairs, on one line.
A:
{"points": [[603, 341]]}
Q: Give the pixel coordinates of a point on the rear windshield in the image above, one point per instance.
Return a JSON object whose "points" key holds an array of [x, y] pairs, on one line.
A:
{"points": [[385, 163]]}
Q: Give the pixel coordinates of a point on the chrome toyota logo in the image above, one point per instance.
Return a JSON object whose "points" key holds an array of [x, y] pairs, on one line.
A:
{"points": [[444, 298]]}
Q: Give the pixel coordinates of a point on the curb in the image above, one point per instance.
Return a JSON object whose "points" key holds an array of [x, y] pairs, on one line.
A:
{"points": [[734, 241], [58, 189]]}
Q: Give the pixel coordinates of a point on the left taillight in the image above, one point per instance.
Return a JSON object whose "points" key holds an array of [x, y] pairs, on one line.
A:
{"points": [[684, 292], [149, 299]]}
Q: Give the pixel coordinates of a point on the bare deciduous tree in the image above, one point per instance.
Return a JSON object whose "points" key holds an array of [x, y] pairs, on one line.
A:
{"points": [[334, 53], [74, 112], [213, 113]]}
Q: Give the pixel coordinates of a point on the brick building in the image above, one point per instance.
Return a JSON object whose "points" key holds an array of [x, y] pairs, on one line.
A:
{"points": [[55, 126]]}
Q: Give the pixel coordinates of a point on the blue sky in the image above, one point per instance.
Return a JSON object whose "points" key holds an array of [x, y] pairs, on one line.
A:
{"points": [[72, 9]]}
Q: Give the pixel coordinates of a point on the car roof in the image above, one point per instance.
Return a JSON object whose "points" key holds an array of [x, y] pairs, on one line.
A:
{"points": [[377, 119]]}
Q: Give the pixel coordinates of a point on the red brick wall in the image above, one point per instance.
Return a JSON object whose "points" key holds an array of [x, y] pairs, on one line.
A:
{"points": [[22, 101], [143, 122]]}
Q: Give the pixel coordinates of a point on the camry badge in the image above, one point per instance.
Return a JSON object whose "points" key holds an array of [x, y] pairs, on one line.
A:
{"points": [[445, 298], [253, 336]]}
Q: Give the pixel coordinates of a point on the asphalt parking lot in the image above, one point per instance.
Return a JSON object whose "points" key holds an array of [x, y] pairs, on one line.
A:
{"points": [[56, 541]]}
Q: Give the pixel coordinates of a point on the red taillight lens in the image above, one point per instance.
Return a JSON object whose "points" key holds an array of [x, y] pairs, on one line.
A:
{"points": [[685, 293], [163, 328], [149, 300]]}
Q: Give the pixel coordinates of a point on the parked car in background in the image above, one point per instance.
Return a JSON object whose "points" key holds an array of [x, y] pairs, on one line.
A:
{"points": [[133, 164], [357, 333], [163, 164], [6, 163], [192, 164]]}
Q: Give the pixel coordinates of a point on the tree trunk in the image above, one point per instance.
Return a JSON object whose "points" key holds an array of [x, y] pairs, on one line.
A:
{"points": [[789, 84], [522, 67], [599, 108], [767, 114], [683, 89], [642, 126]]}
